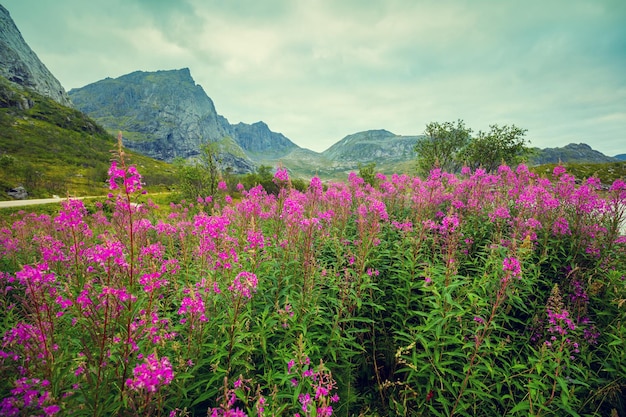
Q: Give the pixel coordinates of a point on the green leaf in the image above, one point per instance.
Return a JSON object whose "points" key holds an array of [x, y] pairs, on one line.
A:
{"points": [[523, 406]]}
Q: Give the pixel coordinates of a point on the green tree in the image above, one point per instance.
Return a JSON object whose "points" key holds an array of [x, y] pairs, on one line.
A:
{"points": [[368, 173], [500, 145], [441, 146], [263, 177], [199, 178]]}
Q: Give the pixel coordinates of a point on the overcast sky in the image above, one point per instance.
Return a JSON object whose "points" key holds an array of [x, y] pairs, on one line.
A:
{"points": [[318, 70]]}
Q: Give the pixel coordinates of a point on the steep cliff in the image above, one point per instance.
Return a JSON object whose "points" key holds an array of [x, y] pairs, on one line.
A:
{"points": [[163, 114], [19, 64]]}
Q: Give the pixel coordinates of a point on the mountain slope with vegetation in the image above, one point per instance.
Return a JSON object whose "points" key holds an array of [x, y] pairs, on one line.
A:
{"points": [[51, 149]]}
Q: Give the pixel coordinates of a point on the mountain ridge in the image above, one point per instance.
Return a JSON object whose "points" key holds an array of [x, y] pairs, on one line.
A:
{"points": [[166, 115]]}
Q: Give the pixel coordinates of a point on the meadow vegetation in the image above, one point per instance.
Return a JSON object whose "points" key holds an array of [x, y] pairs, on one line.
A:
{"points": [[478, 293]]}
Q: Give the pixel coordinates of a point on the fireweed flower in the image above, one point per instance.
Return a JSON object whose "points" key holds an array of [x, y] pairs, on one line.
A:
{"points": [[560, 322], [71, 216], [449, 224], [561, 227], [35, 276], [499, 213], [281, 175], [152, 374], [28, 396], [558, 171], [131, 179], [512, 265], [244, 284], [193, 306]]}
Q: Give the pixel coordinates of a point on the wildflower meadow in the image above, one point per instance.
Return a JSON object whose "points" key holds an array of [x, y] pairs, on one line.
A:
{"points": [[482, 294]]}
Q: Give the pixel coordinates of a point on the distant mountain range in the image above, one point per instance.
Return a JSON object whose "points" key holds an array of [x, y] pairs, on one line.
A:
{"points": [[166, 115]]}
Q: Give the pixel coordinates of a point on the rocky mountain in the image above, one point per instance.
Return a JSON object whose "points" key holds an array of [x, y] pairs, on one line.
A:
{"points": [[573, 152], [19, 64], [258, 140], [165, 115], [620, 157], [371, 146]]}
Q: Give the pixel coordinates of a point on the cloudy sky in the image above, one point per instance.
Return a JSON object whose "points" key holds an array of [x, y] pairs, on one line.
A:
{"points": [[318, 70]]}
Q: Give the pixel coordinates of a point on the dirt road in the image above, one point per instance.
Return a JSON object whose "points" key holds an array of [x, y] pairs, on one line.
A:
{"points": [[20, 203]]}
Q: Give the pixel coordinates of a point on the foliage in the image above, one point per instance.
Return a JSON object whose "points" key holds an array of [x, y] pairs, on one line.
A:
{"points": [[606, 172], [501, 145], [441, 146], [199, 178], [450, 147], [368, 173], [263, 177], [470, 294]]}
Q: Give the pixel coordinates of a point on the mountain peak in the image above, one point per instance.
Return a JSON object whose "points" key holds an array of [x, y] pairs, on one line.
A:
{"points": [[370, 145], [20, 65]]}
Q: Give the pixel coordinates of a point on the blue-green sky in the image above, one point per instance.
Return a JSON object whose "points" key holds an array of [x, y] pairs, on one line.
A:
{"points": [[318, 70]]}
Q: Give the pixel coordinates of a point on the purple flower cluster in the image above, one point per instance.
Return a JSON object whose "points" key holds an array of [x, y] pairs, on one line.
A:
{"points": [[560, 322], [130, 178], [321, 382], [513, 266], [193, 306], [244, 284], [28, 396], [281, 176], [152, 374]]}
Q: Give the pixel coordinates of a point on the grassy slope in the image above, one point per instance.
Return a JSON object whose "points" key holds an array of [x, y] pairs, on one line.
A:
{"points": [[606, 172], [52, 149]]}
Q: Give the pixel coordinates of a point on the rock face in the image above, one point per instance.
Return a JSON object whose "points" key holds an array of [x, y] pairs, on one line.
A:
{"points": [[573, 152], [371, 146], [19, 64], [162, 114], [166, 115], [257, 138]]}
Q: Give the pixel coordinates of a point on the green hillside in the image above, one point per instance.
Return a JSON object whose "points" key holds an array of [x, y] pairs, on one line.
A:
{"points": [[52, 149]]}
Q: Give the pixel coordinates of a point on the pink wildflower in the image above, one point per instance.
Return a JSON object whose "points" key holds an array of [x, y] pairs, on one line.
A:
{"points": [[512, 265]]}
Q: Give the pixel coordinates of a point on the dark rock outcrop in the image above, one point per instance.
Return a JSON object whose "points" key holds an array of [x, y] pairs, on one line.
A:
{"points": [[18, 193]]}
